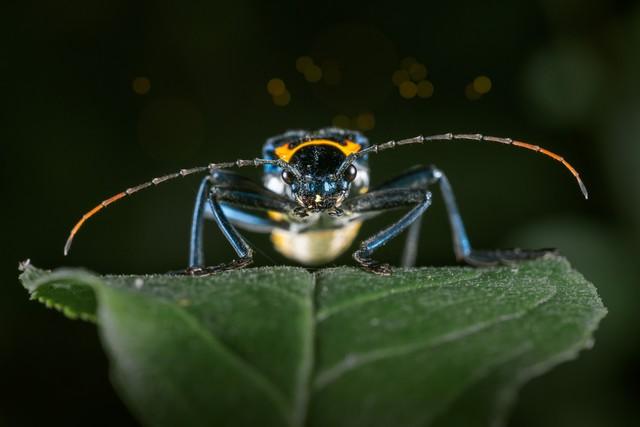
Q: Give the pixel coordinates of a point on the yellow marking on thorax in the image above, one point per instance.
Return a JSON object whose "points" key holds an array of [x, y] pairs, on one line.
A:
{"points": [[285, 153], [276, 216], [316, 246]]}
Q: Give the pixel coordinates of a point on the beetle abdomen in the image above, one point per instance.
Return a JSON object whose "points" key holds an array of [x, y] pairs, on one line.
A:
{"points": [[315, 246]]}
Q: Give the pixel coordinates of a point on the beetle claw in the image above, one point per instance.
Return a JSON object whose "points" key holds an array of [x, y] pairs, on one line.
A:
{"points": [[372, 266]]}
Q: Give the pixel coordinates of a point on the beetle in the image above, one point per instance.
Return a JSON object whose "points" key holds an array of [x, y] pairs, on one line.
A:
{"points": [[315, 195]]}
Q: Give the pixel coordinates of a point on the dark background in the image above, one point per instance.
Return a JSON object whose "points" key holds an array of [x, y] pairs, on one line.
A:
{"points": [[73, 131]]}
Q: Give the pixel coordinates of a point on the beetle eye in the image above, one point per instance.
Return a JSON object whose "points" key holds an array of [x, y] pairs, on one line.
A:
{"points": [[350, 173], [286, 177]]}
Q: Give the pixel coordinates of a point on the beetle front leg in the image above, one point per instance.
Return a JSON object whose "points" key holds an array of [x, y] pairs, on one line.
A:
{"points": [[384, 200], [223, 191], [240, 246]]}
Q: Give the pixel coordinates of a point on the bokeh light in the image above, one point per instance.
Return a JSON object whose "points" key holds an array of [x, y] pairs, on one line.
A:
{"points": [[408, 89], [482, 84], [282, 99], [278, 91], [313, 74], [417, 72], [425, 89], [341, 121], [303, 62], [365, 121], [356, 61], [399, 76], [276, 87], [410, 79], [471, 93], [141, 85]]}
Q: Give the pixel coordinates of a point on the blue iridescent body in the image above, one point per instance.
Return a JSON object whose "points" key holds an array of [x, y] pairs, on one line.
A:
{"points": [[314, 195]]}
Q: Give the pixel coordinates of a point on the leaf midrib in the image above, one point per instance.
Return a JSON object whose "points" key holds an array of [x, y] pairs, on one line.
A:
{"points": [[306, 368]]}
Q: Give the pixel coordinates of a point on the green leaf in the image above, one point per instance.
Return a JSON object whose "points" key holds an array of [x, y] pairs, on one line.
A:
{"points": [[284, 347]]}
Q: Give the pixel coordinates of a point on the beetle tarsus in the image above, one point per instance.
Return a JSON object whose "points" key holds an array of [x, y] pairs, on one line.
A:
{"points": [[236, 264], [505, 256], [372, 266]]}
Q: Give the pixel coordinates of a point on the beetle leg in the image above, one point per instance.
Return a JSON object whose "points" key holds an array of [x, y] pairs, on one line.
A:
{"points": [[422, 177], [383, 200], [229, 196], [461, 244], [415, 177], [196, 256], [480, 258], [411, 242]]}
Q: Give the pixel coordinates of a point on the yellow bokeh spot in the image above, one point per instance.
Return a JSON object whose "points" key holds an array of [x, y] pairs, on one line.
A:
{"points": [[471, 93], [282, 99], [341, 121], [141, 85], [425, 89], [408, 89], [365, 121], [399, 76], [417, 72], [482, 84], [276, 87], [408, 62], [303, 62], [313, 74]]}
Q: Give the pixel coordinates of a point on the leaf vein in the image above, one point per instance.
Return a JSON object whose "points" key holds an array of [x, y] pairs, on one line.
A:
{"points": [[375, 296], [259, 379], [355, 361]]}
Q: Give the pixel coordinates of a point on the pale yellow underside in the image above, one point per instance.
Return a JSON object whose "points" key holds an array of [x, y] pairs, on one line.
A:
{"points": [[316, 246]]}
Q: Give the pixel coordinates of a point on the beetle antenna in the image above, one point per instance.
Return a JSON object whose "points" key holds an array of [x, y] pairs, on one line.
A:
{"points": [[420, 139], [159, 180]]}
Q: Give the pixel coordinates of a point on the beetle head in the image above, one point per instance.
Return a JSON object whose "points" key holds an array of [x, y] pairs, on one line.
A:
{"points": [[319, 184]]}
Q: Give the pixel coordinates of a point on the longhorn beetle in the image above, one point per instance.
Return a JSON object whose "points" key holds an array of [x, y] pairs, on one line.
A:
{"points": [[315, 195]]}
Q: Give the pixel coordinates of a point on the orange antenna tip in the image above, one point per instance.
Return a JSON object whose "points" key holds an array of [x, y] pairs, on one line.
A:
{"points": [[554, 156], [160, 180], [421, 139]]}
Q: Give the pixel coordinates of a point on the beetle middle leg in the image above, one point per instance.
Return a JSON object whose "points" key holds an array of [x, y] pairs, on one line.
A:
{"points": [[229, 196]]}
